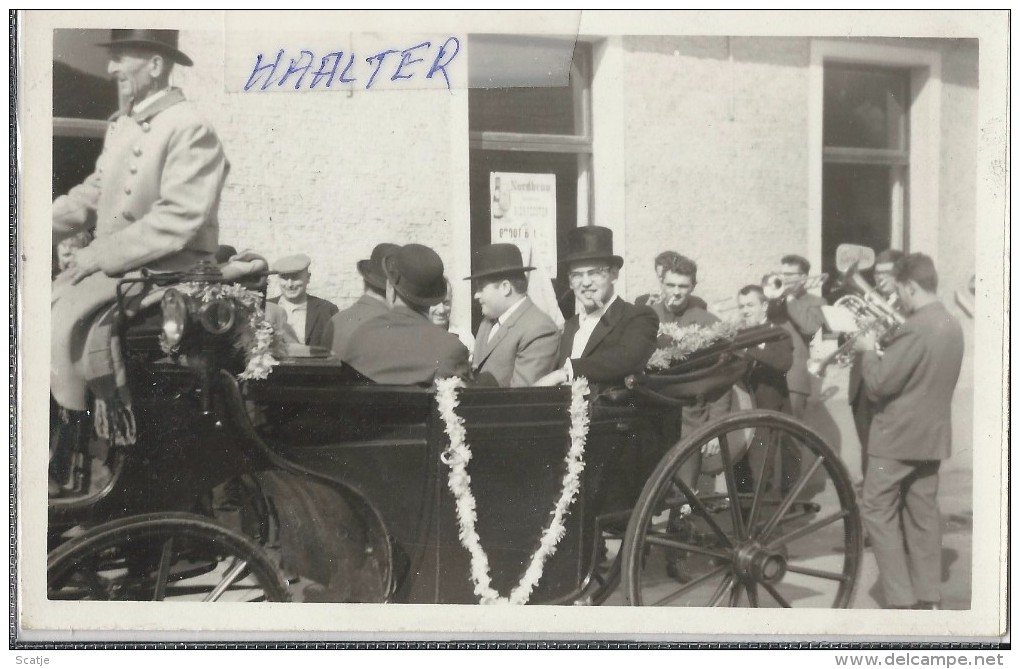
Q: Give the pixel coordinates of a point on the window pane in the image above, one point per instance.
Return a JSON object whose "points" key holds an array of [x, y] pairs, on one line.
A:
{"points": [[857, 208], [531, 110], [81, 86], [74, 158], [865, 108]]}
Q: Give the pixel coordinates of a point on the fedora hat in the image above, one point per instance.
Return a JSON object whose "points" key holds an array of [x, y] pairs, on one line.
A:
{"points": [[591, 243], [160, 41], [371, 269], [493, 259], [417, 274]]}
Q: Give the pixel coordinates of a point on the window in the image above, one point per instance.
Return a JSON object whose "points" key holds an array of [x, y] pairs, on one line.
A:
{"points": [[539, 124], [866, 158]]}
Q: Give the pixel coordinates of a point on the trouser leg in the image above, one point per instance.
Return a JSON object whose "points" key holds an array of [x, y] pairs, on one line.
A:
{"points": [[922, 530], [880, 508]]}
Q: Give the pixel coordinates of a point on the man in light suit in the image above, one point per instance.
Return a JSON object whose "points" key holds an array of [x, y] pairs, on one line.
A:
{"points": [[516, 343], [804, 311], [372, 302], [402, 346], [611, 338], [309, 316], [912, 385], [152, 200]]}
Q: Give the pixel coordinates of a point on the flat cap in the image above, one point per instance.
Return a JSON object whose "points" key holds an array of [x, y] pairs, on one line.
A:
{"points": [[291, 264]]}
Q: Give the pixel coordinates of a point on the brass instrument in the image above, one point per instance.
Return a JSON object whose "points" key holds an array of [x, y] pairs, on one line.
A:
{"points": [[872, 313], [776, 287]]}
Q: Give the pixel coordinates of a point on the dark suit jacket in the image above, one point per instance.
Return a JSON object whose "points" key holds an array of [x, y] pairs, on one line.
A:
{"points": [[803, 318], [522, 350], [693, 314], [403, 347], [318, 329], [766, 379], [350, 319], [620, 345], [912, 385]]}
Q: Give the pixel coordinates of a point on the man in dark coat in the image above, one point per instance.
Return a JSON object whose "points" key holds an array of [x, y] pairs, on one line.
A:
{"points": [[402, 346], [804, 312], [912, 385], [611, 338], [308, 315], [372, 302]]}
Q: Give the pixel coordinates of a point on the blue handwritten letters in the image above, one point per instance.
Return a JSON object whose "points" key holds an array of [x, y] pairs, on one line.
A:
{"points": [[305, 70]]}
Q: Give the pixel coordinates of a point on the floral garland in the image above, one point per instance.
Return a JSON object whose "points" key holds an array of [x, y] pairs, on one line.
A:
{"points": [[677, 342], [257, 338], [457, 456]]}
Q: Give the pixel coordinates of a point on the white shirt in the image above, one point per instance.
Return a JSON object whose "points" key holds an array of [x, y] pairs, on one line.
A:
{"points": [[296, 314], [501, 321], [587, 323], [148, 102]]}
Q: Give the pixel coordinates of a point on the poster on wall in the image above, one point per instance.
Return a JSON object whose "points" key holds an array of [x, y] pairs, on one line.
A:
{"points": [[524, 213]]}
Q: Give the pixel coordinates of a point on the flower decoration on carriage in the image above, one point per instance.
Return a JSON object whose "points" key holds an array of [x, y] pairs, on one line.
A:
{"points": [[676, 343], [224, 308]]}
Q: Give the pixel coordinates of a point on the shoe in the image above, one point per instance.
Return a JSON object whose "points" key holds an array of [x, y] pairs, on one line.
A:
{"points": [[676, 569], [925, 605]]}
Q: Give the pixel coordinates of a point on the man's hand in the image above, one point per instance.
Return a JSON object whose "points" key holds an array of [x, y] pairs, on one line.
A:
{"points": [[554, 378], [865, 342], [73, 274], [711, 448]]}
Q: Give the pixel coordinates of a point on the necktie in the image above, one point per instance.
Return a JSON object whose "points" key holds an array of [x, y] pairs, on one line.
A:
{"points": [[492, 332]]}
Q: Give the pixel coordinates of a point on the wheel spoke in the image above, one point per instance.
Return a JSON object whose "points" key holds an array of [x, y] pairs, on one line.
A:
{"points": [[789, 499], [698, 506], [664, 540], [807, 529], [163, 572], [759, 485], [731, 487], [721, 590], [735, 593], [818, 573], [775, 595], [752, 593], [228, 579], [690, 586]]}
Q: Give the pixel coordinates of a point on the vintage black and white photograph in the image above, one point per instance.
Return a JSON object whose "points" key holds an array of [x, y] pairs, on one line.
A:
{"points": [[671, 315]]}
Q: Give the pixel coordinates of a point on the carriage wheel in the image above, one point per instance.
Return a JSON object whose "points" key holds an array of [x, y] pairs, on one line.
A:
{"points": [[778, 527], [163, 556]]}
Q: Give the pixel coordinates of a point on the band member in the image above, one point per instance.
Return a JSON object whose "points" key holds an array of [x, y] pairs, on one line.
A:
{"points": [[912, 385], [804, 311], [860, 405], [662, 261], [402, 346], [516, 343], [308, 315], [152, 202], [611, 338], [372, 302]]}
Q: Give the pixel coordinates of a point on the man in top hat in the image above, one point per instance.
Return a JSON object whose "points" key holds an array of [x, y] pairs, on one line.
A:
{"points": [[309, 316], [402, 346], [517, 342], [610, 338], [372, 302], [152, 199]]}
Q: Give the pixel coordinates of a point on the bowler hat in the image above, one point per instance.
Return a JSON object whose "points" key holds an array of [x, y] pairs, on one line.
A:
{"points": [[160, 41], [591, 243], [494, 259], [371, 270], [416, 272], [292, 264]]}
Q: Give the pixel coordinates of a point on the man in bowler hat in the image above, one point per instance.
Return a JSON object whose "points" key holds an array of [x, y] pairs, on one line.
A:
{"points": [[517, 342], [151, 201], [611, 338], [402, 346], [372, 302], [309, 316]]}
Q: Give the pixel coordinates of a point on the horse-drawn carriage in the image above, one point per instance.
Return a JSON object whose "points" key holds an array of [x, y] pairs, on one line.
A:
{"points": [[316, 485]]}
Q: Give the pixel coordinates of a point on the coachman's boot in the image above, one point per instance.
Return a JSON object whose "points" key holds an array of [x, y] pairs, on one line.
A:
{"points": [[70, 468]]}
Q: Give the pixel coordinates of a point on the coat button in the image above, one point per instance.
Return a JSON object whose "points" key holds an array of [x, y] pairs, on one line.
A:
{"points": [[137, 150], [128, 216], [146, 127], [133, 169], [127, 190]]}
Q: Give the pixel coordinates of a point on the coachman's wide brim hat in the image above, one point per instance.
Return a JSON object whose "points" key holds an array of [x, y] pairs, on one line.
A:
{"points": [[160, 41], [591, 243], [371, 270], [417, 274], [496, 259]]}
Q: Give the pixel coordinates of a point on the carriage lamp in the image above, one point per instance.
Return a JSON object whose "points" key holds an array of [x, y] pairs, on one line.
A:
{"points": [[218, 316], [175, 317]]}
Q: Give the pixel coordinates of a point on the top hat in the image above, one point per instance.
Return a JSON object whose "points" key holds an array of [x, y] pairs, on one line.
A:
{"points": [[160, 41], [494, 259], [416, 272], [371, 270], [591, 243], [292, 264]]}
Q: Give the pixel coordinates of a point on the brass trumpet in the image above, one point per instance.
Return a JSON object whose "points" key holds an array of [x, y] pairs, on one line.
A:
{"points": [[776, 287]]}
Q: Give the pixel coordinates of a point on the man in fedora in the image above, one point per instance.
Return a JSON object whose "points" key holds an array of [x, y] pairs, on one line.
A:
{"points": [[309, 316], [151, 201], [610, 338], [402, 346], [517, 342], [372, 302]]}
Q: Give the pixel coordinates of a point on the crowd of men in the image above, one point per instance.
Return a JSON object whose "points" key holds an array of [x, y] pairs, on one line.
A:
{"points": [[151, 204]]}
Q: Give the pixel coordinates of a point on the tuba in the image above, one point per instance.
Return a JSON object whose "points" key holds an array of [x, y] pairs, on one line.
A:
{"points": [[872, 313]]}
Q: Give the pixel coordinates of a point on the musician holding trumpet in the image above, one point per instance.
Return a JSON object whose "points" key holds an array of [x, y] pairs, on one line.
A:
{"points": [[911, 384]]}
